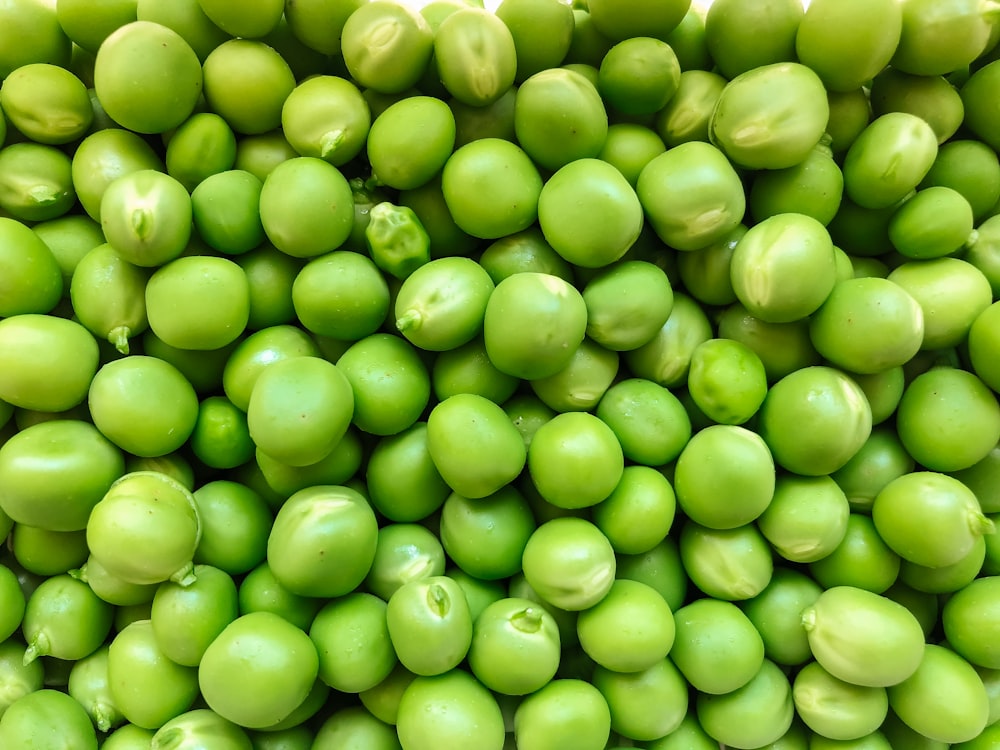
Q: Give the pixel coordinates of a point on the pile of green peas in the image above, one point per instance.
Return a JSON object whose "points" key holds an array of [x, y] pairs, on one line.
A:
{"points": [[551, 376]]}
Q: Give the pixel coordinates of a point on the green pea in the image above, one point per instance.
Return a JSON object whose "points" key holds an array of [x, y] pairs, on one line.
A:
{"points": [[536, 50], [967, 166], [559, 117], [220, 438], [527, 250], [120, 405], [589, 213], [637, 18], [299, 196], [260, 154], [836, 709], [299, 737], [337, 467], [756, 714], [873, 177], [319, 23], [341, 294], [410, 142], [246, 82], [930, 97], [515, 647], [740, 38], [575, 460], [475, 56], [494, 120], [567, 712], [258, 670], [186, 18], [260, 591], [639, 75], [47, 718], [108, 296], [270, 276], [691, 206], [569, 563], [451, 709], [474, 446], [64, 618], [847, 44], [968, 623], [519, 588], [135, 54], [225, 211], [45, 552], [776, 614], [201, 146], [580, 385], [648, 420], [807, 518], [396, 240], [647, 704], [527, 412], [35, 182], [881, 459], [17, 678], [299, 409], [69, 237], [483, 206], [945, 222], [688, 41], [88, 685], [354, 727], [46, 103], [639, 512], [404, 552], [728, 564], [430, 625], [55, 472], [468, 369], [946, 579], [687, 115], [383, 699], [145, 510], [146, 217], [946, 681], [261, 19], [387, 46], [727, 380], [104, 156], [13, 603], [813, 187], [893, 325], [923, 605], [862, 559], [308, 522], [730, 494], [111, 588], [429, 204], [486, 537], [326, 117], [938, 40], [32, 34], [629, 147], [688, 735], [620, 321], [190, 729], [403, 483], [837, 414], [981, 477], [351, 636]]}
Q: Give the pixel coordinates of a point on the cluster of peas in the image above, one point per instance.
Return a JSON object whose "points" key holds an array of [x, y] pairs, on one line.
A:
{"points": [[559, 377]]}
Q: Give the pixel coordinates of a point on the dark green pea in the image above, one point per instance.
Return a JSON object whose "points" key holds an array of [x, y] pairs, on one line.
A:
{"points": [[937, 40], [924, 606], [528, 413], [299, 737], [386, 46], [741, 37], [639, 75], [404, 552], [383, 699], [397, 241], [526, 250], [260, 591], [848, 43], [187, 18], [301, 58], [706, 274], [104, 156], [468, 369], [475, 56], [35, 182], [47, 103], [202, 145], [782, 347], [47, 718], [221, 439], [45, 552], [64, 618], [319, 23], [260, 154]]}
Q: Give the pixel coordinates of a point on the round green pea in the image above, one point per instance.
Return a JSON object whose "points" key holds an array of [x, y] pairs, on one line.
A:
{"points": [[246, 82], [475, 56], [351, 636], [146, 217], [486, 537], [403, 482], [569, 563], [759, 713], [47, 103], [451, 709], [410, 142], [430, 625], [31, 281], [102, 157], [326, 117], [836, 709], [727, 380], [566, 712], [727, 564], [186, 619], [386, 46], [404, 552], [35, 181], [48, 718]]}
